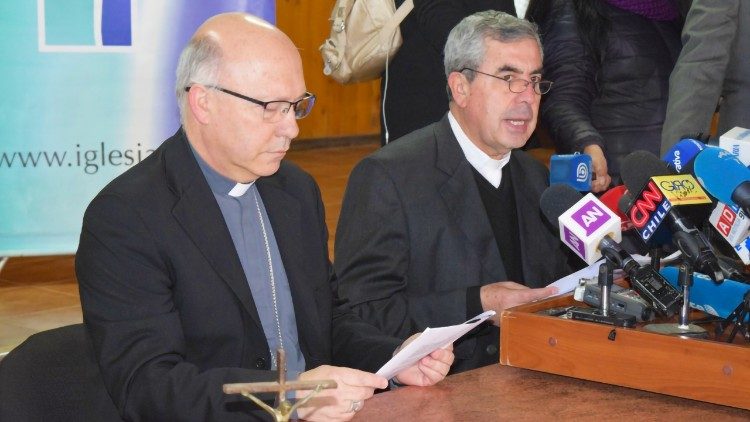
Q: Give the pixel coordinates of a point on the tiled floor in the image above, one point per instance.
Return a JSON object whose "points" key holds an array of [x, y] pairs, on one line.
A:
{"points": [[40, 293]]}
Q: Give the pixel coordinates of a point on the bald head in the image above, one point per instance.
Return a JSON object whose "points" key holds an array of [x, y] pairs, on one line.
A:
{"points": [[235, 69], [232, 43]]}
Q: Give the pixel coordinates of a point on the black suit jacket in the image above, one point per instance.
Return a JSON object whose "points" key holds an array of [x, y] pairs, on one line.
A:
{"points": [[167, 303], [414, 235]]}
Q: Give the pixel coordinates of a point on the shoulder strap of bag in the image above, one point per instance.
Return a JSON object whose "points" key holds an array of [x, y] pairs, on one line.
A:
{"points": [[390, 28]]}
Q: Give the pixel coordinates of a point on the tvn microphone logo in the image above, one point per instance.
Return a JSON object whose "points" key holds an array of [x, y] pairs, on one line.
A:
{"points": [[86, 26]]}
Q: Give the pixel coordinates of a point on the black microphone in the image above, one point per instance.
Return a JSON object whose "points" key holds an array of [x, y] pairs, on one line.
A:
{"points": [[564, 206], [651, 207]]}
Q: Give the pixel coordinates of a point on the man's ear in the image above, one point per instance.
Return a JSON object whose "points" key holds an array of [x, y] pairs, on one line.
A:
{"points": [[198, 102], [460, 88]]}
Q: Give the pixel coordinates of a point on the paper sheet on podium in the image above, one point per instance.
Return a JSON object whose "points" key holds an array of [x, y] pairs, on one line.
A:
{"points": [[430, 340]]}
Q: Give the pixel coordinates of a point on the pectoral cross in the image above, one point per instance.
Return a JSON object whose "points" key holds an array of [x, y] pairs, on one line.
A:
{"points": [[285, 409]]}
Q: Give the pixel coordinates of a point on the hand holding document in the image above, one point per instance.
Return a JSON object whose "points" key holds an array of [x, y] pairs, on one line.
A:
{"points": [[430, 340]]}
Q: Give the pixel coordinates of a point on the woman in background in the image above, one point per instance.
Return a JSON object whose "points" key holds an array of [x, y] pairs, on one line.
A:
{"points": [[610, 62]]}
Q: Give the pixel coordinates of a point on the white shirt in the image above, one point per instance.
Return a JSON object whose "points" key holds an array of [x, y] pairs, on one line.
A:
{"points": [[490, 168]]}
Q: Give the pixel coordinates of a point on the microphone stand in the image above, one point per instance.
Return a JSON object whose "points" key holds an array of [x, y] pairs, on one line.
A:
{"points": [[683, 327], [656, 257], [603, 314]]}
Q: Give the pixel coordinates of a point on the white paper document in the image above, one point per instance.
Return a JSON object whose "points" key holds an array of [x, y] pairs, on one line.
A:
{"points": [[570, 282], [430, 340]]}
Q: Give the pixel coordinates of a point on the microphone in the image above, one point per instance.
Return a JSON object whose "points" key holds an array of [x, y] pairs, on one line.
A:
{"points": [[586, 225], [680, 157], [591, 230], [659, 194], [724, 176], [737, 141], [571, 169], [731, 223], [611, 199], [705, 295]]}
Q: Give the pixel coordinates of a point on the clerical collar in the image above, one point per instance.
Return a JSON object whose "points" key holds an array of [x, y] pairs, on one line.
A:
{"points": [[219, 184], [490, 168]]}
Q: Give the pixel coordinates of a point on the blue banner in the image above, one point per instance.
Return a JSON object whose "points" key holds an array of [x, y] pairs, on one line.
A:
{"points": [[89, 92]]}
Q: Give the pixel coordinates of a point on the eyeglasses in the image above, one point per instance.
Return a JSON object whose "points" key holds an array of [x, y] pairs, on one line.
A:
{"points": [[274, 111], [518, 85]]}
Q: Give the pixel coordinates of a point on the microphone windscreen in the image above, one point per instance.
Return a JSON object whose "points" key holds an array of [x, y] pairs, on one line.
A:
{"points": [[625, 202], [638, 166], [612, 197], [679, 158], [557, 199], [720, 172]]}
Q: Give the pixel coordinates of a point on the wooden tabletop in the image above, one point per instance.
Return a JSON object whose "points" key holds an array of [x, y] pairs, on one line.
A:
{"points": [[500, 392]]}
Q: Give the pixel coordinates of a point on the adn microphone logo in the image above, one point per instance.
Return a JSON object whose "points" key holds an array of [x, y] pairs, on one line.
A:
{"points": [[86, 26]]}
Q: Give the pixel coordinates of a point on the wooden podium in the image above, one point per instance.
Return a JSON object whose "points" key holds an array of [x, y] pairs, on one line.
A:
{"points": [[706, 370]]}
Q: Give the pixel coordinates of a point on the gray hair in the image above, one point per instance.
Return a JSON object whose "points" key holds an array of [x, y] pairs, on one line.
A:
{"points": [[199, 63], [466, 47]]}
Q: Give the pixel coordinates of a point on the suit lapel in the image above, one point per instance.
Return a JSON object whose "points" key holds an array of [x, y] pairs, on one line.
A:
{"points": [[461, 196], [527, 210], [199, 215]]}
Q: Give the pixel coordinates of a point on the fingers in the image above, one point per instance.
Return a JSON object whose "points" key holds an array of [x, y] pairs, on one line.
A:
{"points": [[341, 403], [357, 378], [437, 364], [511, 285], [601, 183]]}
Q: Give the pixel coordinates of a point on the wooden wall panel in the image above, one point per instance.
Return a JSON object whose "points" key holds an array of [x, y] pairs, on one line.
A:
{"points": [[340, 110]]}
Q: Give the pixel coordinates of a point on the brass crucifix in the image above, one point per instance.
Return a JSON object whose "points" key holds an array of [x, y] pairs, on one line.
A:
{"points": [[285, 409]]}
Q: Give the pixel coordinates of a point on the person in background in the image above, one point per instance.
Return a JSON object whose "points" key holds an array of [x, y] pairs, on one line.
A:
{"points": [[445, 223], [201, 261], [713, 68], [610, 61], [416, 94]]}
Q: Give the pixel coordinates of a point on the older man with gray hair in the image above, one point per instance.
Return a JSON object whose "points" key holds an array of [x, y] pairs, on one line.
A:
{"points": [[446, 223], [201, 261]]}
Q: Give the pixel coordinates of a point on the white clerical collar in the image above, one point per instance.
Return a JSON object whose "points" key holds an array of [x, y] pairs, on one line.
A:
{"points": [[240, 188], [490, 168]]}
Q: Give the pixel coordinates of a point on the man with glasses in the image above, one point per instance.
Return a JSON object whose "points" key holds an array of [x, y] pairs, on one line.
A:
{"points": [[197, 264], [446, 223]]}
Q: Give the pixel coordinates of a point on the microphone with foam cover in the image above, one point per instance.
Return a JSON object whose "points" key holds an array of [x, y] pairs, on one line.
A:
{"points": [[660, 194], [571, 169], [724, 176], [611, 199], [680, 157], [586, 225], [591, 230]]}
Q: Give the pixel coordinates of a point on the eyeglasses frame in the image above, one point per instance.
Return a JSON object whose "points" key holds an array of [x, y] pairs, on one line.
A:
{"points": [[535, 85], [292, 104]]}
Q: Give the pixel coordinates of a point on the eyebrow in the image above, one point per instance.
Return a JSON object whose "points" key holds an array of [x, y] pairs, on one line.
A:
{"points": [[510, 68]]}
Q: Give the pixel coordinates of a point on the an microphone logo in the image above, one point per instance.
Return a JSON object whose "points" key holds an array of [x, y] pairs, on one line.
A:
{"points": [[585, 224], [582, 173]]}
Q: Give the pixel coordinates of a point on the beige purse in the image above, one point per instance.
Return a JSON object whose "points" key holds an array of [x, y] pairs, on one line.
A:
{"points": [[364, 35]]}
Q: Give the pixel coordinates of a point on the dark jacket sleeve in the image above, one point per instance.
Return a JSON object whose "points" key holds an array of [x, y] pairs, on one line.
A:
{"points": [[128, 307], [372, 258], [566, 108]]}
